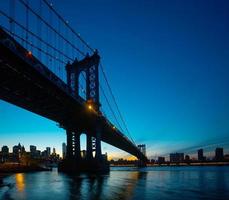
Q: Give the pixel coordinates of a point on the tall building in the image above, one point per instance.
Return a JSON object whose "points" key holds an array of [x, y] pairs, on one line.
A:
{"points": [[187, 158], [38, 153], [64, 150], [200, 154], [54, 151], [16, 152], [219, 154], [44, 154], [48, 149], [161, 160], [5, 153], [176, 157], [5, 150], [33, 151]]}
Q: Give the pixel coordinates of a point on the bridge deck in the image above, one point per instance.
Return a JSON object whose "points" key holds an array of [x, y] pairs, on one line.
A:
{"points": [[27, 83]]}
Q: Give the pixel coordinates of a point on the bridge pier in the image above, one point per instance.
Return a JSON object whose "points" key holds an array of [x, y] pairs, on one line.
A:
{"points": [[76, 141], [74, 163], [89, 154], [69, 144], [73, 144], [98, 153]]}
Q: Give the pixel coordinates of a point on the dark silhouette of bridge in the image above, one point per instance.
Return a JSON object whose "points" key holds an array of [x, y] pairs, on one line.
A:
{"points": [[40, 71]]}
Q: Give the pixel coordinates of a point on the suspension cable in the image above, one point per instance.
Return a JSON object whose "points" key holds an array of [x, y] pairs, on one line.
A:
{"points": [[67, 25], [115, 102], [32, 45], [53, 29], [39, 38]]}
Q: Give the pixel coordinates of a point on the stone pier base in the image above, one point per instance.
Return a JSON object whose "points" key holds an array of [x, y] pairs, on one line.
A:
{"points": [[90, 166]]}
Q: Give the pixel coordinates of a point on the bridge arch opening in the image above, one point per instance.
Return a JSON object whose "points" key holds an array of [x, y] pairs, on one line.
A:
{"points": [[83, 145], [82, 85]]}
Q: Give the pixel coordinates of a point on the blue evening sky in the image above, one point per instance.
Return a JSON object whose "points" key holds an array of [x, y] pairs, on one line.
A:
{"points": [[167, 63]]}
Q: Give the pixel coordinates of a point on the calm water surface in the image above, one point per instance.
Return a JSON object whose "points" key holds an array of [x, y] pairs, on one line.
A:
{"points": [[122, 183]]}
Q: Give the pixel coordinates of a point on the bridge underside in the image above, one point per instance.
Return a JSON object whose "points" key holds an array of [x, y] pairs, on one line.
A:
{"points": [[24, 84]]}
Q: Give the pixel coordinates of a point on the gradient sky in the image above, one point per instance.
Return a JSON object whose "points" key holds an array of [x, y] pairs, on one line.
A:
{"points": [[167, 63]]}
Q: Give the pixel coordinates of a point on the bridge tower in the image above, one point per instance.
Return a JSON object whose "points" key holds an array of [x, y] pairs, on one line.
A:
{"points": [[90, 66], [142, 148]]}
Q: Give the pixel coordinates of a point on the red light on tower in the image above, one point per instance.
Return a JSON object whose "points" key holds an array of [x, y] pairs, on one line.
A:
{"points": [[29, 54]]}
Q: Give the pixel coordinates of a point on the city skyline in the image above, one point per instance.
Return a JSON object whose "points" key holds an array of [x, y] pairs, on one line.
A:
{"points": [[183, 58], [197, 154]]}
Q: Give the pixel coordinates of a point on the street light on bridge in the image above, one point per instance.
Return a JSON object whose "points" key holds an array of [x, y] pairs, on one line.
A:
{"points": [[90, 107], [90, 104]]}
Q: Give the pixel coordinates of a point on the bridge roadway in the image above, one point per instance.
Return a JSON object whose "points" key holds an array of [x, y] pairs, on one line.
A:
{"points": [[27, 83]]}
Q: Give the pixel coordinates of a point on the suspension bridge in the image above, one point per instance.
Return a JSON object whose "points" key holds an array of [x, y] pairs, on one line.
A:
{"points": [[46, 67]]}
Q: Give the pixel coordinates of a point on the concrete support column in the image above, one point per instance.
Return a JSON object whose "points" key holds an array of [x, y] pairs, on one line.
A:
{"points": [[76, 141], [69, 144], [89, 147], [98, 152]]}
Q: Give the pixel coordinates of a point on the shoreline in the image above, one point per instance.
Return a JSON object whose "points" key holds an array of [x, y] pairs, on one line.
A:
{"points": [[18, 168], [9, 169], [221, 164]]}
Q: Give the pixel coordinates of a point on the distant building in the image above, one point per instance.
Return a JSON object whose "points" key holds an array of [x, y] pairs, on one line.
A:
{"points": [[44, 154], [48, 149], [219, 154], [16, 152], [161, 160], [33, 151], [176, 157], [5, 150], [64, 150], [4, 154], [38, 154], [152, 161], [226, 157], [187, 158], [23, 149], [54, 151], [200, 153]]}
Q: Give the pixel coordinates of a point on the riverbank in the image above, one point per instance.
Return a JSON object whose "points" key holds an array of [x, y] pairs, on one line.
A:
{"points": [[7, 168], [178, 164]]}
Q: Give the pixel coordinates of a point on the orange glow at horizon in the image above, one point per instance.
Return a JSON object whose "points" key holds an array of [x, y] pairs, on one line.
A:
{"points": [[116, 157]]}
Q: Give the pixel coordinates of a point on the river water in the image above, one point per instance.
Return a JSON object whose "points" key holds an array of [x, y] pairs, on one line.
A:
{"points": [[186, 183]]}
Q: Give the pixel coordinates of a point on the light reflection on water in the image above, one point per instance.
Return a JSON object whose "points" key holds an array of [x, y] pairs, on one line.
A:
{"points": [[122, 183], [20, 182]]}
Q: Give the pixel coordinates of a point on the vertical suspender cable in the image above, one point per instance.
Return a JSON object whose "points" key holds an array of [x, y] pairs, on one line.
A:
{"points": [[50, 39], [39, 32], [58, 47], [12, 15], [27, 23]]}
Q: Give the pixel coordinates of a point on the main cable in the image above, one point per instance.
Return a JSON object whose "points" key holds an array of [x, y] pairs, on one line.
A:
{"points": [[67, 25], [115, 102], [53, 29]]}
